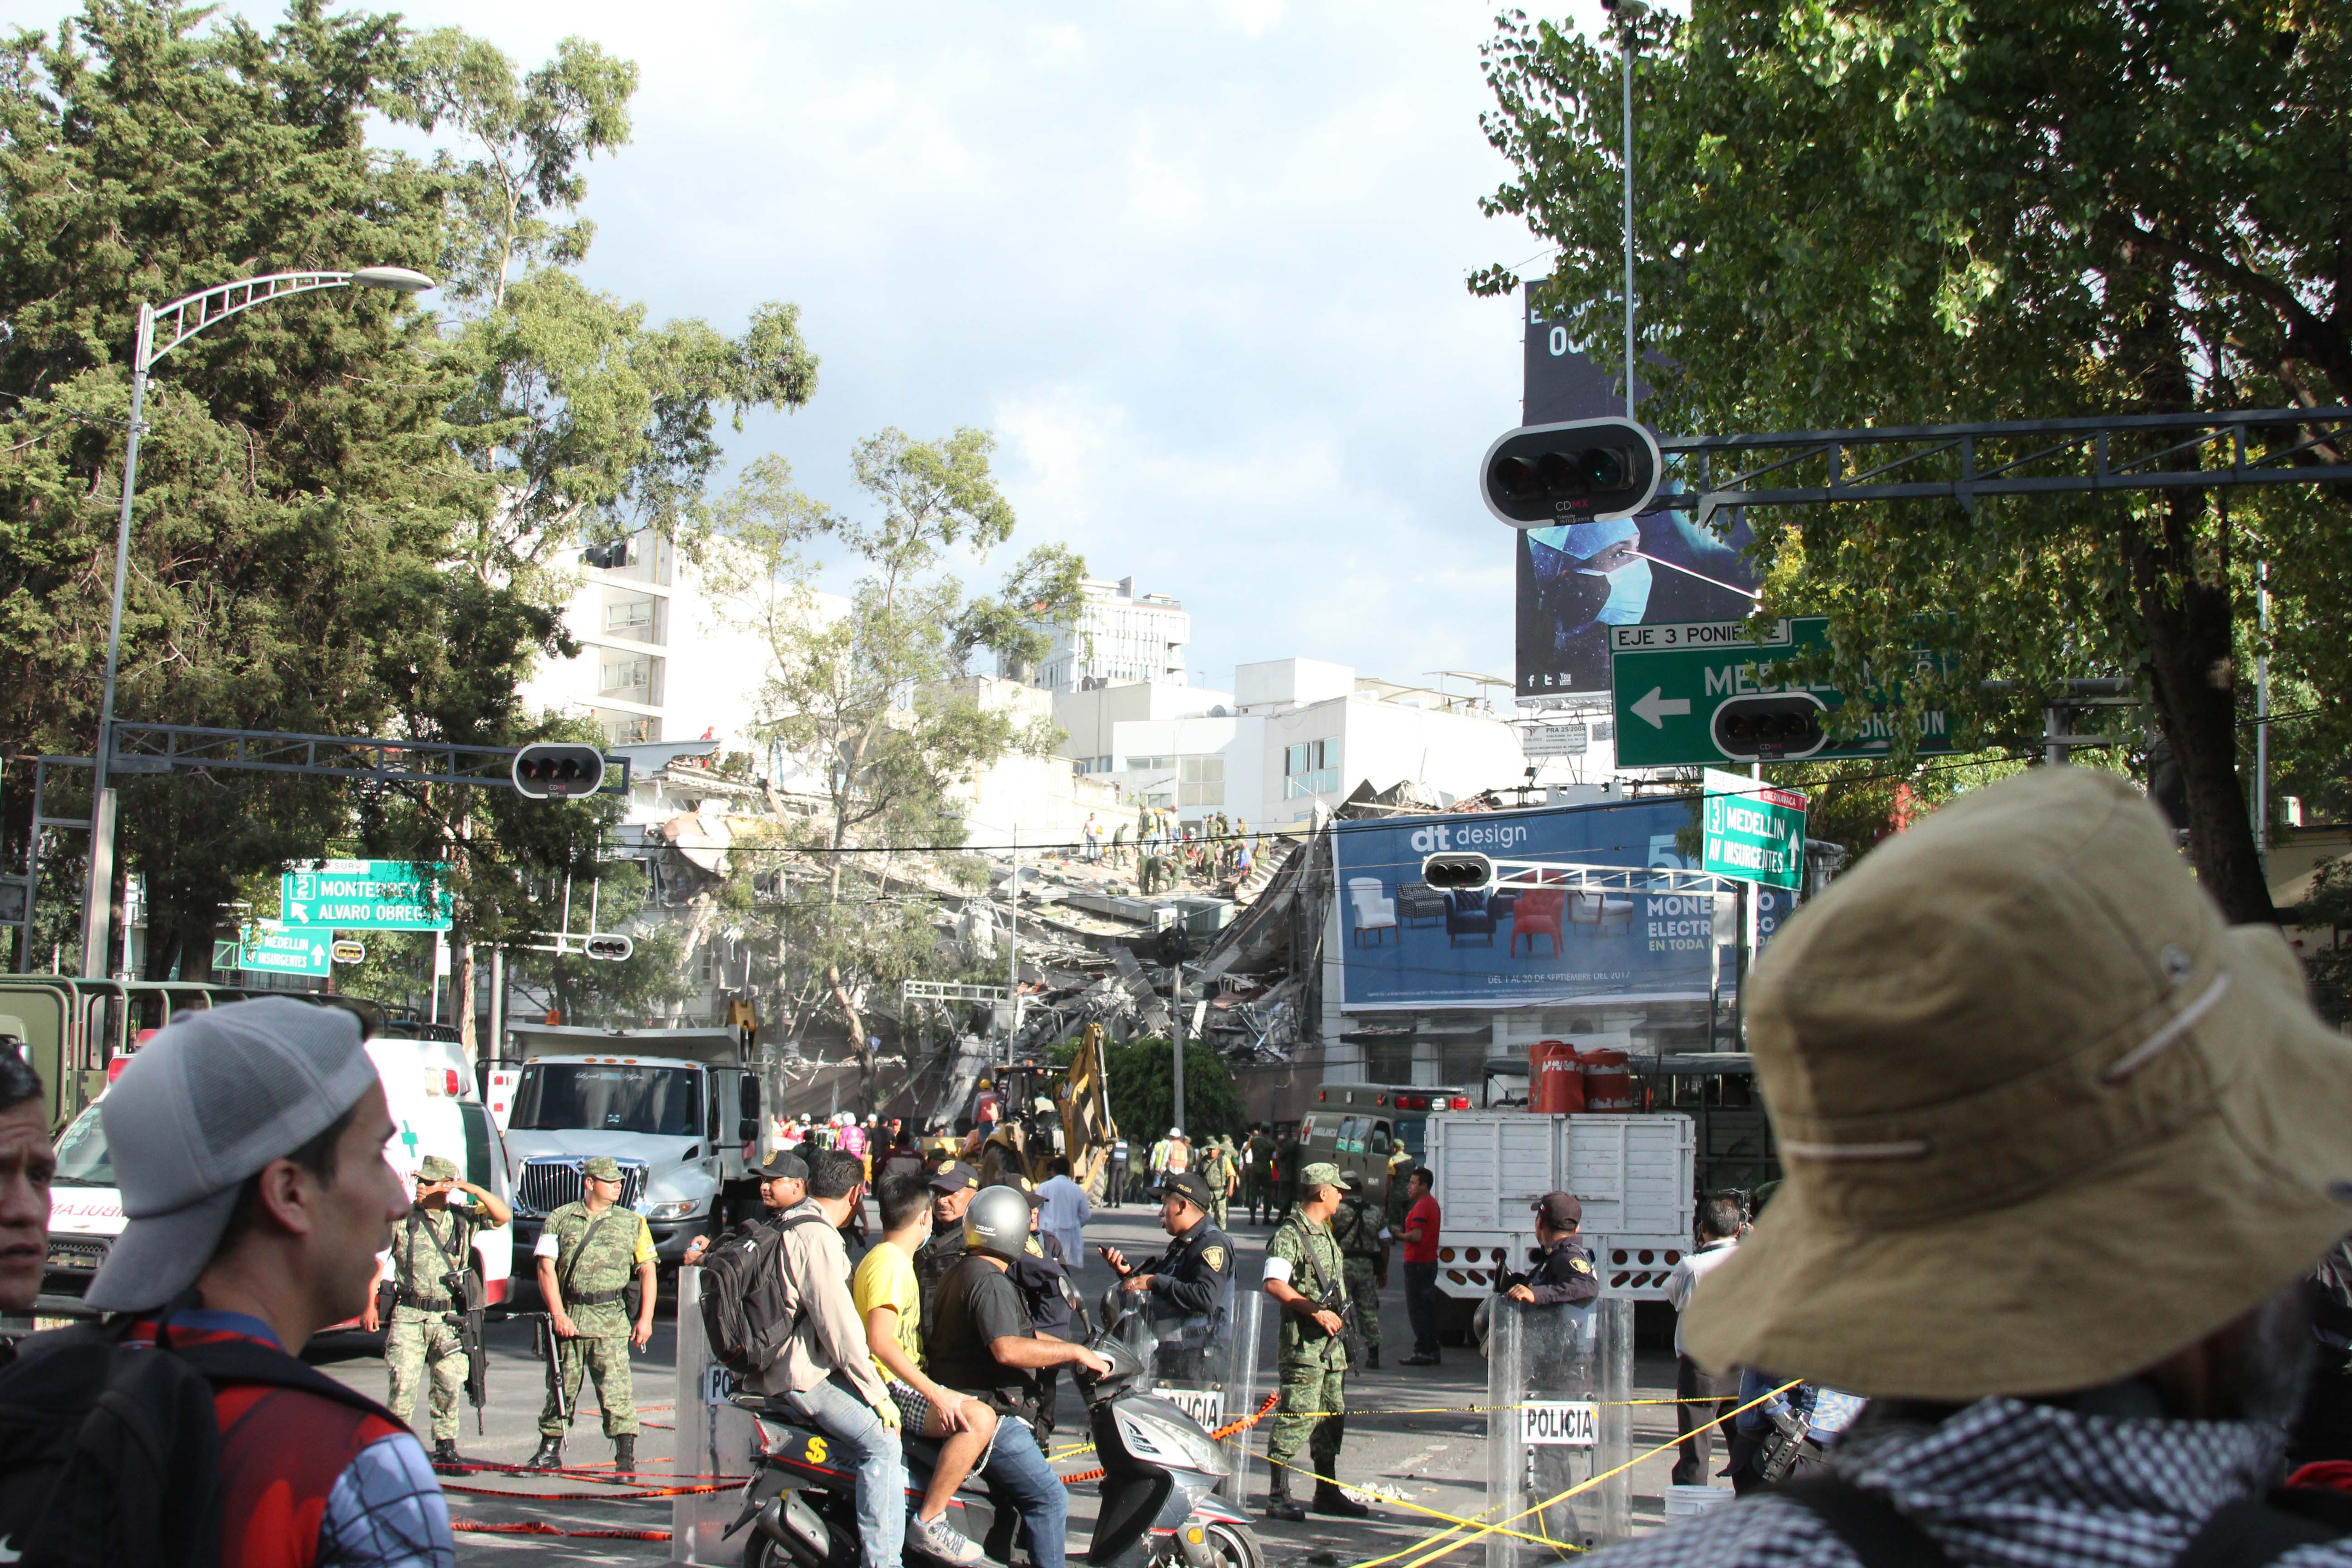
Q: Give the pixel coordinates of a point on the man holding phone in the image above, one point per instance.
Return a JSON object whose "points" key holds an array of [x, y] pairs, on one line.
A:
{"points": [[1190, 1284]]}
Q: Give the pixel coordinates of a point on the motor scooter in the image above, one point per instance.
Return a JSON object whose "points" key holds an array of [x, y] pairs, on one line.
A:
{"points": [[1160, 1468]]}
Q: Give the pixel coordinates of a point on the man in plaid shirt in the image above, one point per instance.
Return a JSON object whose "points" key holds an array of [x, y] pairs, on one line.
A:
{"points": [[2062, 1146]]}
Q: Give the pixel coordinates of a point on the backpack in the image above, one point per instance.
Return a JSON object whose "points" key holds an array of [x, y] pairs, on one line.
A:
{"points": [[743, 1313], [110, 1454]]}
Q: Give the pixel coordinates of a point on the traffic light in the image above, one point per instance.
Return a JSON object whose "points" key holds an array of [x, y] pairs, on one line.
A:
{"points": [[1586, 470], [1770, 729], [557, 770], [1457, 873], [612, 948]]}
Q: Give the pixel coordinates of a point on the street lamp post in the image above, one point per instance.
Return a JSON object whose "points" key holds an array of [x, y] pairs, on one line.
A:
{"points": [[1628, 12], [181, 319]]}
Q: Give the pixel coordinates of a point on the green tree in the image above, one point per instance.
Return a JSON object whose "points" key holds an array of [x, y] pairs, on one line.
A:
{"points": [[1930, 211], [857, 694], [1143, 1091]]}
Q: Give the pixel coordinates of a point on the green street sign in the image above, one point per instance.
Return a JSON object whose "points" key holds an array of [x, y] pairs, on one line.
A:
{"points": [[287, 950], [1710, 691], [364, 895], [1752, 832]]}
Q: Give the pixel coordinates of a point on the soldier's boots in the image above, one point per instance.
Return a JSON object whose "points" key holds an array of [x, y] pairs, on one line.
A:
{"points": [[625, 1454], [550, 1456], [1372, 1358], [445, 1454], [1331, 1500], [1278, 1503]]}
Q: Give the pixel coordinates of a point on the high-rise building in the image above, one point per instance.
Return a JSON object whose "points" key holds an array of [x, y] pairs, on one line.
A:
{"points": [[1120, 635]]}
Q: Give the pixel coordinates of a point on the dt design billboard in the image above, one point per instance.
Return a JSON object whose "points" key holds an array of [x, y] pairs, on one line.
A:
{"points": [[1406, 945]]}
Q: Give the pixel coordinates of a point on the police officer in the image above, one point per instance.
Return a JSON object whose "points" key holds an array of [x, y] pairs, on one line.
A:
{"points": [[432, 1245], [1221, 1169], [1192, 1281], [586, 1254], [1257, 1171], [1305, 1276], [953, 1186], [1564, 1275], [1364, 1248], [1114, 1174]]}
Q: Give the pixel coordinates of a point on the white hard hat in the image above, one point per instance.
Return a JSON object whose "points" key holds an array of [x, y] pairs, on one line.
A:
{"points": [[1175, 1132]]}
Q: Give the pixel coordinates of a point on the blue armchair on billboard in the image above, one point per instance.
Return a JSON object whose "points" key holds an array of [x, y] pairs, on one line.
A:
{"points": [[1468, 914]]}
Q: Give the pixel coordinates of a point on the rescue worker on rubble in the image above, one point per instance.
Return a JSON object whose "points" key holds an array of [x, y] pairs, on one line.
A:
{"points": [[1364, 1249]]}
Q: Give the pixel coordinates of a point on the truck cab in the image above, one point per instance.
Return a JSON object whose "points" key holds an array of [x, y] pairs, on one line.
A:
{"points": [[674, 1108], [1358, 1127]]}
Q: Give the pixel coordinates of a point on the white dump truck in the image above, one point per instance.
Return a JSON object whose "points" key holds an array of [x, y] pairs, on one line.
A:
{"points": [[1633, 1173], [676, 1107]]}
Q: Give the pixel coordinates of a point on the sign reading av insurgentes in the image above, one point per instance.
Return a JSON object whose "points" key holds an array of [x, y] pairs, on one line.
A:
{"points": [[1607, 930], [1753, 831]]}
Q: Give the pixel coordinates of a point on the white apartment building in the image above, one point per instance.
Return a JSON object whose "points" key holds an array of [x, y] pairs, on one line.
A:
{"points": [[1293, 735], [1121, 637], [658, 662]]}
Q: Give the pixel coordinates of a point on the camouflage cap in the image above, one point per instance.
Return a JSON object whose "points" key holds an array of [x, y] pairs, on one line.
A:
{"points": [[603, 1168], [1322, 1173], [434, 1168]]}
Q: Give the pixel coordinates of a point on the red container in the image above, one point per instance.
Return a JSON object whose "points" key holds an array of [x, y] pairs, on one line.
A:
{"points": [[1607, 1080], [1555, 1083]]}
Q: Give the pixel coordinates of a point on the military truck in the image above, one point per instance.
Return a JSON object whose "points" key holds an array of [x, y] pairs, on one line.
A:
{"points": [[680, 1110]]}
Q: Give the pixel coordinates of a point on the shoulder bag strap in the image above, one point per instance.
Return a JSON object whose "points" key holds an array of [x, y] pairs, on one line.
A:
{"points": [[1878, 1533], [571, 1268]]}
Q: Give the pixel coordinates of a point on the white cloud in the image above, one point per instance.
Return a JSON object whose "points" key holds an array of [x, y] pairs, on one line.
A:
{"points": [[1199, 264]]}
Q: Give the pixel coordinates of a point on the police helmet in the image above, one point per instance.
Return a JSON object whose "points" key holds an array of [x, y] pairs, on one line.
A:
{"points": [[997, 1221]]}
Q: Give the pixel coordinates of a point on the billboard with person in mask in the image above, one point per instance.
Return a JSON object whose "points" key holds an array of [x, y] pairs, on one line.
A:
{"points": [[1576, 582]]}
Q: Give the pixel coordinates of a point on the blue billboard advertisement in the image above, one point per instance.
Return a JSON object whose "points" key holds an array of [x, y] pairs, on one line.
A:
{"points": [[1612, 930]]}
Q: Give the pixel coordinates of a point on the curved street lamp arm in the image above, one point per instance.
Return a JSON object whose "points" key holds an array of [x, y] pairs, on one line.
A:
{"points": [[183, 318]]}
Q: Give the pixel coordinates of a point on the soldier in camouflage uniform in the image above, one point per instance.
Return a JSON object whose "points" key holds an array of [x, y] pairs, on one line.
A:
{"points": [[1303, 1272], [1364, 1249], [1221, 1168], [436, 1241], [586, 1254]]}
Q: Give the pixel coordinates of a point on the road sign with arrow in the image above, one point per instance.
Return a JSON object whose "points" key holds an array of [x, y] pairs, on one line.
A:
{"points": [[1752, 832], [365, 895], [1713, 691], [286, 950]]}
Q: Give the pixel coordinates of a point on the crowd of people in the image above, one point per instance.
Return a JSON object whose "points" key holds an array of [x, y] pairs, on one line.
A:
{"points": [[1166, 850], [2058, 1273]]}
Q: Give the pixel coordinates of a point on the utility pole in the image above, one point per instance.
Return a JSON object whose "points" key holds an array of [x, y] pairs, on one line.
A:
{"points": [[2263, 717], [1013, 944], [1176, 1034]]}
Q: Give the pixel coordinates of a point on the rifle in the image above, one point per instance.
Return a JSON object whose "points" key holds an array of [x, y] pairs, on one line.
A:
{"points": [[546, 1345], [465, 1291]]}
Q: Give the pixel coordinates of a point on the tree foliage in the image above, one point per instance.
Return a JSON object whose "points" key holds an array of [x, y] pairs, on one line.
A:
{"points": [[1938, 211]]}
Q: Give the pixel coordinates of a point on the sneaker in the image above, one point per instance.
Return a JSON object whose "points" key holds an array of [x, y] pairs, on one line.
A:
{"points": [[938, 1538], [1418, 1360]]}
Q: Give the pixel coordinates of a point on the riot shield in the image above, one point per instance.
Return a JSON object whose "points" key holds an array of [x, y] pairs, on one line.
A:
{"points": [[714, 1438], [1557, 1379], [1242, 1394]]}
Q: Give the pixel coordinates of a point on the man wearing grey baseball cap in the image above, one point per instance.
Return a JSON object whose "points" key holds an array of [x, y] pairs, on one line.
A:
{"points": [[248, 1144]]}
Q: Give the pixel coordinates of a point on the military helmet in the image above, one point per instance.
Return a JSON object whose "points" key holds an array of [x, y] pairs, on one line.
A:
{"points": [[998, 1221]]}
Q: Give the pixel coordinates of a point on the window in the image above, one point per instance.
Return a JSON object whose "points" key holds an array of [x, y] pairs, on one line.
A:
{"points": [[1199, 781], [632, 618], [563, 1096], [633, 677], [1310, 768], [1149, 764]]}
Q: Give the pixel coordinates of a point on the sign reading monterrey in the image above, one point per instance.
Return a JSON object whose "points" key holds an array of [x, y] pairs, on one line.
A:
{"points": [[366, 895], [1612, 926]]}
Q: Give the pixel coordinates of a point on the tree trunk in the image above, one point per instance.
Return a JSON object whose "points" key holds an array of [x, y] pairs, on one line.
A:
{"points": [[860, 1044]]}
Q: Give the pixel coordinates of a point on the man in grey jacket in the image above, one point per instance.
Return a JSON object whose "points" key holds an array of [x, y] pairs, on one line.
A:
{"points": [[824, 1373]]}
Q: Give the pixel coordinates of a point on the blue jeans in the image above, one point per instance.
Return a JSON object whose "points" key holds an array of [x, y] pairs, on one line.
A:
{"points": [[1421, 1306], [861, 1441], [1016, 1468]]}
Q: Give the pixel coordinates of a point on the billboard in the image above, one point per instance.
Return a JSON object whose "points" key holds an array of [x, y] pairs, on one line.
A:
{"points": [[1575, 582], [1403, 945]]}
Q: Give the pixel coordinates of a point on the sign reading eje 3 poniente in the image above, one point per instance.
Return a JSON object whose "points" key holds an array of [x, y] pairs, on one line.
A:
{"points": [[1711, 691], [365, 895], [1752, 832]]}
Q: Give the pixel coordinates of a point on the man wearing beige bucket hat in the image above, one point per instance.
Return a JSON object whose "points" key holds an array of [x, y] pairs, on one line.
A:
{"points": [[2062, 1146]]}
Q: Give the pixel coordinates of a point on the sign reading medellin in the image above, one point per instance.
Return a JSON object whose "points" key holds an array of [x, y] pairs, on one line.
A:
{"points": [[1613, 928]]}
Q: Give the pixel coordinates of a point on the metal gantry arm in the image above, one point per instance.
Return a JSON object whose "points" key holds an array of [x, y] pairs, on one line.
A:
{"points": [[2027, 457], [161, 748], [1573, 876], [166, 327]]}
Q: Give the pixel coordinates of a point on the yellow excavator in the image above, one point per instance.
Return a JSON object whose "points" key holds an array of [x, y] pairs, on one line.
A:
{"points": [[1050, 1110]]}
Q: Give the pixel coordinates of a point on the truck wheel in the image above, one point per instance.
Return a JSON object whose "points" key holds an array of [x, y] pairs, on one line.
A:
{"points": [[1454, 1315]]}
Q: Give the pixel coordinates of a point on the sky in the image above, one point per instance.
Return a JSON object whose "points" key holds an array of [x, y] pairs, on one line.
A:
{"points": [[1198, 264]]}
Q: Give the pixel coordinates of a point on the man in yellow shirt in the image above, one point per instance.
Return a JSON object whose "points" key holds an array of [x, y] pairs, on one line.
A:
{"points": [[889, 1300]]}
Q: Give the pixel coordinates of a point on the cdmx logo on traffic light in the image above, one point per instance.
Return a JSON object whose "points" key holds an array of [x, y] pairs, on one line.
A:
{"points": [[557, 770], [1586, 470], [1777, 728]]}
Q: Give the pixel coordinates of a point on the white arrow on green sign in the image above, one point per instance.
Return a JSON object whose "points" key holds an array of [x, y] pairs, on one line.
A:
{"points": [[1752, 832], [287, 950], [1678, 687], [365, 895]]}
